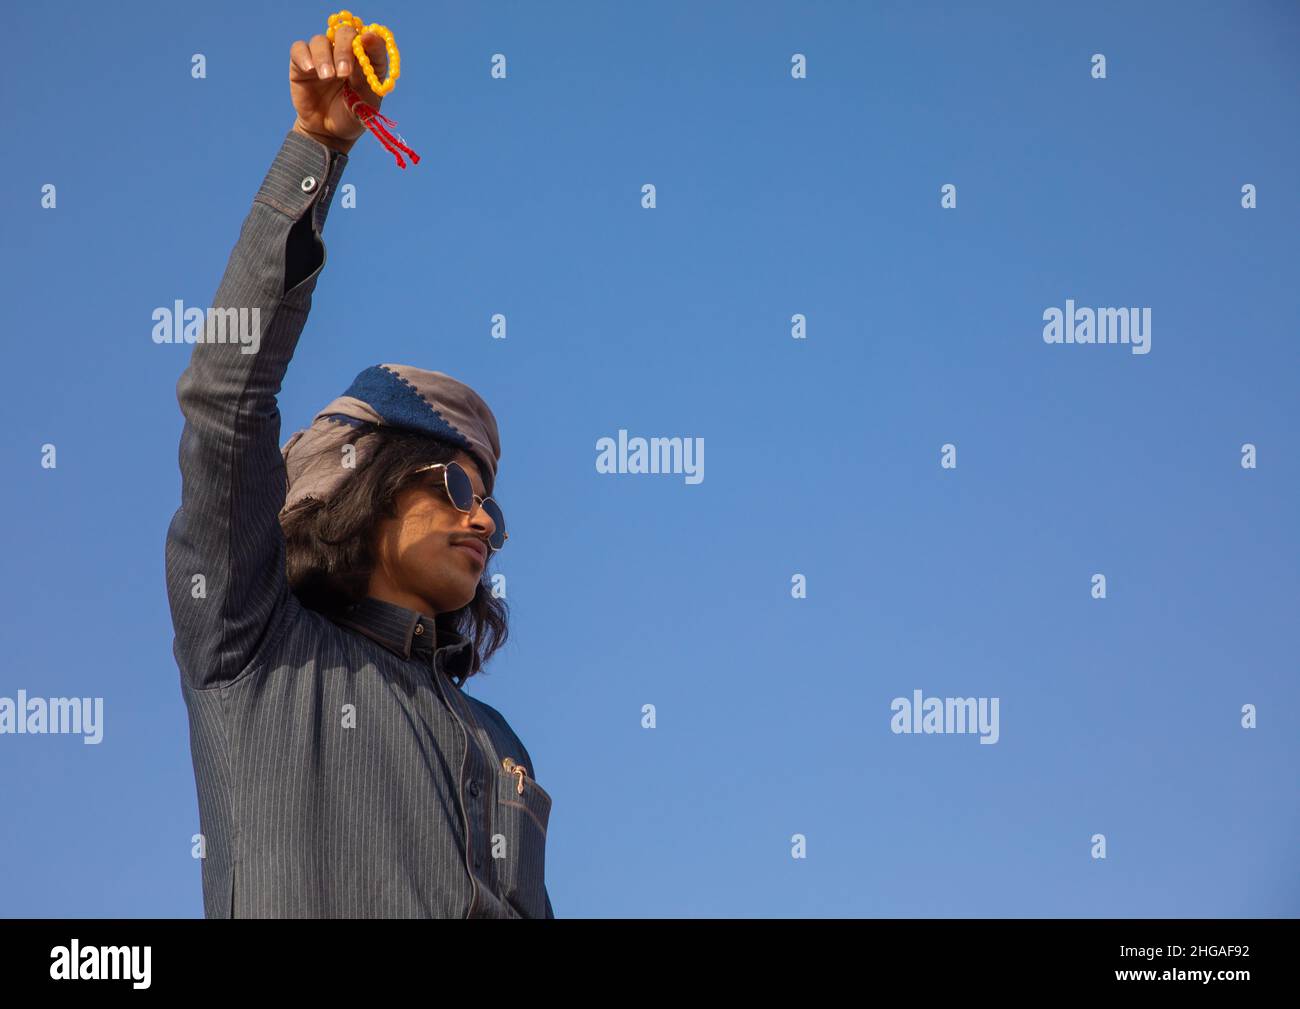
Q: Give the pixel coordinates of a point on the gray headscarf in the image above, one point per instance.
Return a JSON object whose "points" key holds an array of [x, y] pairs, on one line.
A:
{"points": [[387, 395]]}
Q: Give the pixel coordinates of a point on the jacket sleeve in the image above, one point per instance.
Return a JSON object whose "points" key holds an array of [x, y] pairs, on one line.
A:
{"points": [[226, 582]]}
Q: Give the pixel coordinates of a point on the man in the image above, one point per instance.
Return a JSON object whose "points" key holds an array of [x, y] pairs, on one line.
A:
{"points": [[324, 632]]}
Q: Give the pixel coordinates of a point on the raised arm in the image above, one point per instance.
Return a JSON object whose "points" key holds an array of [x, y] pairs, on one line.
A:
{"points": [[226, 580]]}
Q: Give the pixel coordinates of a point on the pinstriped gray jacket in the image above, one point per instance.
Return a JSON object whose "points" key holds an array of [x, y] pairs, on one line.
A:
{"points": [[342, 770]]}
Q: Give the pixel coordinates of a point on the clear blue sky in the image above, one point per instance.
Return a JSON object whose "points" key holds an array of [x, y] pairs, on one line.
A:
{"points": [[775, 196]]}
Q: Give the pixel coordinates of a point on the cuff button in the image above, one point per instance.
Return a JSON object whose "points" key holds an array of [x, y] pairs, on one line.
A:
{"points": [[309, 184]]}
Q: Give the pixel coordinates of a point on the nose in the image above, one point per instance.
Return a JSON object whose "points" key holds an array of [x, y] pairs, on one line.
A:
{"points": [[480, 519]]}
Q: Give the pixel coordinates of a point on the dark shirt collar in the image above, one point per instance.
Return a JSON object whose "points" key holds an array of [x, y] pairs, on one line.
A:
{"points": [[409, 633]]}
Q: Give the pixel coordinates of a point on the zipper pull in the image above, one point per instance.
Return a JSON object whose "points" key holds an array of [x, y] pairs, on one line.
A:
{"points": [[518, 769]]}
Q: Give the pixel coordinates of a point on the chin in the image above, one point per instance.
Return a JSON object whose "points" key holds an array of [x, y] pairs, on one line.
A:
{"points": [[453, 592]]}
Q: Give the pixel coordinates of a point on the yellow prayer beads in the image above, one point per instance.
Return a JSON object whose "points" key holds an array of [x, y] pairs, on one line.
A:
{"points": [[346, 19]]}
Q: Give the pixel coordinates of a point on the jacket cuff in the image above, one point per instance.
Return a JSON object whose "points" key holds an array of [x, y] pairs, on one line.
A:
{"points": [[303, 172]]}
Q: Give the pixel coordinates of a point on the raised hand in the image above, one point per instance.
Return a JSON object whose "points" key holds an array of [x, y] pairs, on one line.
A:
{"points": [[317, 72]]}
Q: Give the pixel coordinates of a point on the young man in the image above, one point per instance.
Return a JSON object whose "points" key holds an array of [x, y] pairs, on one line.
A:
{"points": [[326, 623]]}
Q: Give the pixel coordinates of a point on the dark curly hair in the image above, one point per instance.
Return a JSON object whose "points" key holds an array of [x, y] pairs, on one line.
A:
{"points": [[329, 548]]}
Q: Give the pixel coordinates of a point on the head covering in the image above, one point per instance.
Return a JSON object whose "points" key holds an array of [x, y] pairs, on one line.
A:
{"points": [[387, 395]]}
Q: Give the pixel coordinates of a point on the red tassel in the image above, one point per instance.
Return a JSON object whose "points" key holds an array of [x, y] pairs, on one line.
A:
{"points": [[372, 119]]}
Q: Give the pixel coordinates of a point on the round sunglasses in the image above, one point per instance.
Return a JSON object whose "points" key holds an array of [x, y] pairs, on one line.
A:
{"points": [[460, 490]]}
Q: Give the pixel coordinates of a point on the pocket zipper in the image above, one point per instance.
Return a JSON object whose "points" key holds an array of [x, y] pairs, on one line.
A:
{"points": [[514, 768]]}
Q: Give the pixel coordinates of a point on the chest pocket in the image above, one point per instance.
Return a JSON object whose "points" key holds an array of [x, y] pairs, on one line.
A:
{"points": [[519, 854]]}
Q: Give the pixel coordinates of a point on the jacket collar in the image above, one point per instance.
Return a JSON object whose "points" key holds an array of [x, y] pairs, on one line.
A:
{"points": [[409, 633]]}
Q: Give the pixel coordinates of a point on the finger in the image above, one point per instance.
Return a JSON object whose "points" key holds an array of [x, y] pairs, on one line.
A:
{"points": [[343, 49], [322, 57], [300, 64]]}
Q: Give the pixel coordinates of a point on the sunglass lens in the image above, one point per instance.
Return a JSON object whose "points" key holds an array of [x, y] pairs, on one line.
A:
{"points": [[461, 487], [498, 537]]}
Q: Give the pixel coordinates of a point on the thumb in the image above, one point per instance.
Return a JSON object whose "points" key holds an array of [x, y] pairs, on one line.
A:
{"points": [[376, 49]]}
